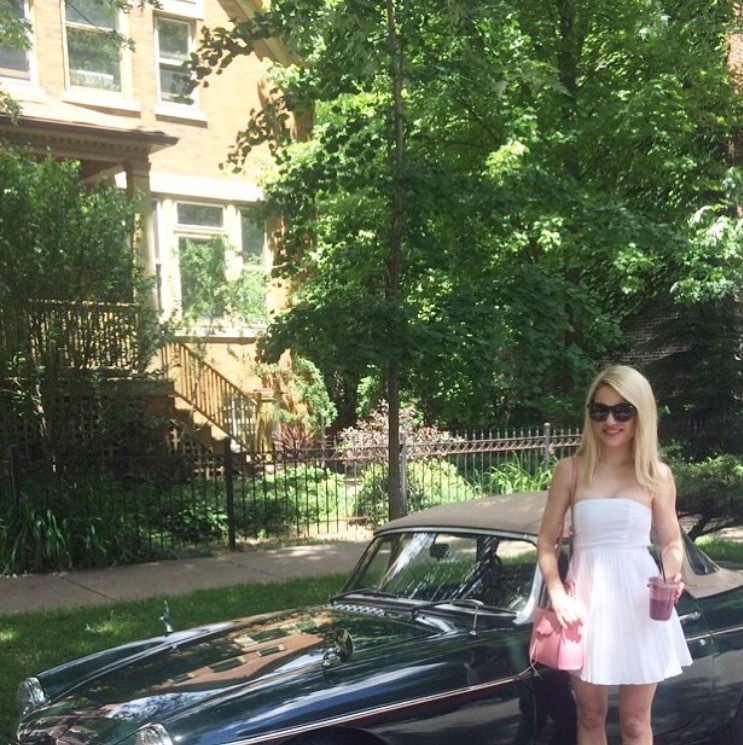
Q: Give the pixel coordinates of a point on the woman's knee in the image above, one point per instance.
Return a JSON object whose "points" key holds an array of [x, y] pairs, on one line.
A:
{"points": [[635, 704], [592, 714], [635, 725]]}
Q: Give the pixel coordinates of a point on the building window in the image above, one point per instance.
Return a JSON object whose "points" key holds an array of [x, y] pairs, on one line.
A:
{"points": [[253, 235], [223, 279], [173, 44], [203, 269], [93, 45], [200, 215], [202, 257], [14, 60]]}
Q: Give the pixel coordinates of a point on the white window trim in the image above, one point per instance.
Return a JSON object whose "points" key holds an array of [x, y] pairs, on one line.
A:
{"points": [[186, 188], [94, 98], [174, 109], [193, 9], [185, 112], [169, 233], [200, 229]]}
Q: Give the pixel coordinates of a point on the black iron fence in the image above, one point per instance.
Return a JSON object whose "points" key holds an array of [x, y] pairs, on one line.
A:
{"points": [[81, 513]]}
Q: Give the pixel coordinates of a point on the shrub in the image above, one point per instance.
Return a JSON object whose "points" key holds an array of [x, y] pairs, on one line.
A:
{"points": [[289, 499], [709, 491], [514, 476], [430, 482], [32, 540]]}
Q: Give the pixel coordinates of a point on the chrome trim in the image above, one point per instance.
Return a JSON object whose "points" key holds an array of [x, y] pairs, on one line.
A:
{"points": [[359, 608], [366, 713], [153, 734], [29, 695]]}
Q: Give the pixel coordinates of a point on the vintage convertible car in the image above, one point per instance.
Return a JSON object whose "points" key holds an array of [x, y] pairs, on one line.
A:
{"points": [[426, 643]]}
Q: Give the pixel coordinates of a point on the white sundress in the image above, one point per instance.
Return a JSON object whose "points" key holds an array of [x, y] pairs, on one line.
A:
{"points": [[610, 569]]}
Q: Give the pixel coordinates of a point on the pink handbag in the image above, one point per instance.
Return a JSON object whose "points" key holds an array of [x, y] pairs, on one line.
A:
{"points": [[554, 646], [551, 644]]}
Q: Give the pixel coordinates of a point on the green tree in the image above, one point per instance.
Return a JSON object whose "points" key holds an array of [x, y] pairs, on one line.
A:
{"points": [[555, 159], [63, 245]]}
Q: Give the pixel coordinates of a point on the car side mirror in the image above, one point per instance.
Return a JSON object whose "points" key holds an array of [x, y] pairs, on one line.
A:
{"points": [[439, 551]]}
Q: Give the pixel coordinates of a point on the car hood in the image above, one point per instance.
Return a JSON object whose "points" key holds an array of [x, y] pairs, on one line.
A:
{"points": [[204, 676]]}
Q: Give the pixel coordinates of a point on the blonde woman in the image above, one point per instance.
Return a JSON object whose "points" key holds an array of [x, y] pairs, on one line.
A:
{"points": [[622, 489]]}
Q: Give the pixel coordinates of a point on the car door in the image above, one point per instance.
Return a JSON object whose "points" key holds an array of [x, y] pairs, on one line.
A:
{"points": [[680, 702]]}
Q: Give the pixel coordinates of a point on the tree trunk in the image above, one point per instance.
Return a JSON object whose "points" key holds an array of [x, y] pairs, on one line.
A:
{"points": [[398, 508], [397, 498]]}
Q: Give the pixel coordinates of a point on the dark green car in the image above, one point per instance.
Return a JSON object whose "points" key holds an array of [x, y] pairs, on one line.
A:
{"points": [[426, 643]]}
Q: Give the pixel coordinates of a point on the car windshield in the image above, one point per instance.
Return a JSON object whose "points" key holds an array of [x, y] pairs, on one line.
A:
{"points": [[433, 566]]}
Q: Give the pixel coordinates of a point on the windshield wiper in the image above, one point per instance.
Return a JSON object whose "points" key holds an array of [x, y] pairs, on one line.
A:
{"points": [[373, 591], [459, 603]]}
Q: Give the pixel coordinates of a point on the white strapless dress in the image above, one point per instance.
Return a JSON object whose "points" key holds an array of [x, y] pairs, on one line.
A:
{"points": [[610, 569]]}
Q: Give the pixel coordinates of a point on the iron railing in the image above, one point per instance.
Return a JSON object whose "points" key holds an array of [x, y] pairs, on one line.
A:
{"points": [[139, 508]]}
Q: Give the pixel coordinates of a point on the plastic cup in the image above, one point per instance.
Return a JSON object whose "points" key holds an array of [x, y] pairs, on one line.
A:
{"points": [[662, 598]]}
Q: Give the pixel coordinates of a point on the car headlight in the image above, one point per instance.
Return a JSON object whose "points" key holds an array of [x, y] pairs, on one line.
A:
{"points": [[153, 734], [29, 696]]}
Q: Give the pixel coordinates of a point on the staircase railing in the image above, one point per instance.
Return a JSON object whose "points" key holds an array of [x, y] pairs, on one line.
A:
{"points": [[207, 391]]}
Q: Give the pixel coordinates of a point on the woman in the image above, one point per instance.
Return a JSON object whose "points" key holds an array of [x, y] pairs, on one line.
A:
{"points": [[622, 487]]}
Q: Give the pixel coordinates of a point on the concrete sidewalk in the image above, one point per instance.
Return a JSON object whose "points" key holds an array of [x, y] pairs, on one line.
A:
{"points": [[175, 577]]}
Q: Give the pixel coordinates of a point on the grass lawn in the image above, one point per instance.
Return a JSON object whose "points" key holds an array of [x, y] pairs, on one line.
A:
{"points": [[720, 549], [30, 642]]}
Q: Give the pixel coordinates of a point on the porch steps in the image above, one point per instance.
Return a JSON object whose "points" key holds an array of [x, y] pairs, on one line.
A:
{"points": [[211, 399]]}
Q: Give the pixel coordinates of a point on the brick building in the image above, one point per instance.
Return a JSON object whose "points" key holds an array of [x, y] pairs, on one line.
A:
{"points": [[121, 111]]}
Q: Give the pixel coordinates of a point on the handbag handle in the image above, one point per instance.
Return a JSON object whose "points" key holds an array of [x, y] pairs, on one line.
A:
{"points": [[558, 545], [573, 483]]}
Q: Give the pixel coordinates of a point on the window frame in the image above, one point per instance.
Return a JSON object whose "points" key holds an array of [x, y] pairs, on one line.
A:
{"points": [[120, 27], [161, 61], [262, 256], [235, 265], [6, 73]]}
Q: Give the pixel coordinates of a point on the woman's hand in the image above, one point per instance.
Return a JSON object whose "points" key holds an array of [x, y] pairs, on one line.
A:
{"points": [[680, 586], [567, 608]]}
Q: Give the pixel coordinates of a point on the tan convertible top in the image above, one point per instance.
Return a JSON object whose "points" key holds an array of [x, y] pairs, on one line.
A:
{"points": [[513, 513], [522, 514]]}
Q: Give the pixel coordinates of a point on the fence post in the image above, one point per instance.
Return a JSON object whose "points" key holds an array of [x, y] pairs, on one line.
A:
{"points": [[547, 446], [404, 472], [229, 488]]}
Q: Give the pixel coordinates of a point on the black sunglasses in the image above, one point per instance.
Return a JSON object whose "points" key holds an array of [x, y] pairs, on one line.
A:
{"points": [[620, 412]]}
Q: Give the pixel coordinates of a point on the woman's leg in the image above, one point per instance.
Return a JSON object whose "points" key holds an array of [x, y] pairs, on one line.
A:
{"points": [[592, 702], [635, 703]]}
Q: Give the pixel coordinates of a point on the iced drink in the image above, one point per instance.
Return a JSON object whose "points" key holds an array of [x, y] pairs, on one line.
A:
{"points": [[662, 598]]}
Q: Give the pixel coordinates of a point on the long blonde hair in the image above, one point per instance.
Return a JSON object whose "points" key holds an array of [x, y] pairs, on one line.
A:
{"points": [[634, 387]]}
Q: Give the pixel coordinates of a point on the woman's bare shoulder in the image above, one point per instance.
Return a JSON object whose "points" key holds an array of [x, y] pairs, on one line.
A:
{"points": [[665, 472], [563, 471], [667, 486]]}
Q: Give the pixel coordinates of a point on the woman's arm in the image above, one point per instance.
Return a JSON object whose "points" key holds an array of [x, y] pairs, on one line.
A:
{"points": [[558, 501], [668, 530]]}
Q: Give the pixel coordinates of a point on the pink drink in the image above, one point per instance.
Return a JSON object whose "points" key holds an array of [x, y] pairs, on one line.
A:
{"points": [[662, 598]]}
